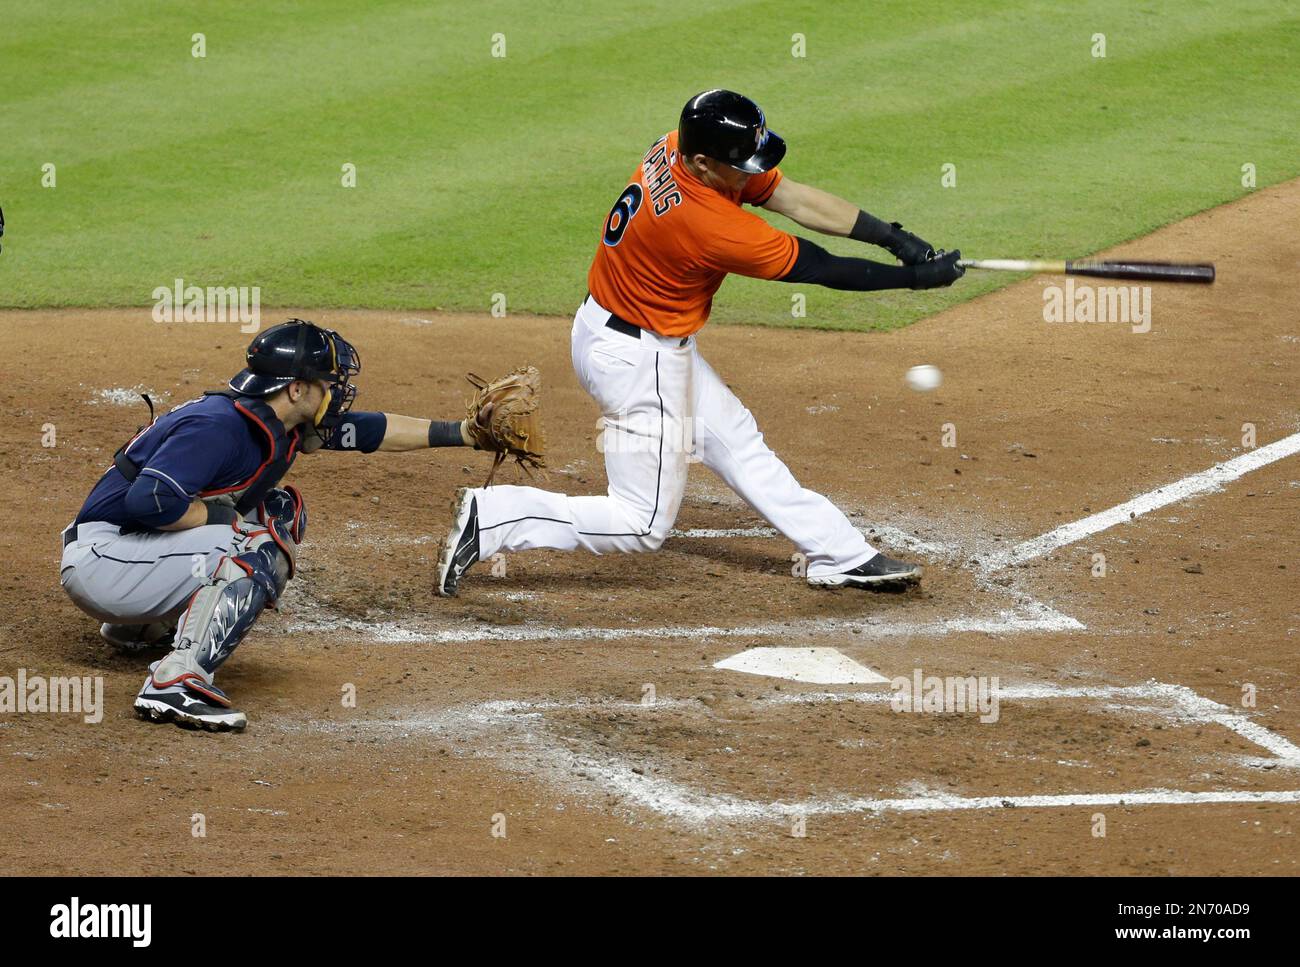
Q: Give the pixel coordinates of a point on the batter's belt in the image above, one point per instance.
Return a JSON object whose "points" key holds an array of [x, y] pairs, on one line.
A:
{"points": [[619, 324]]}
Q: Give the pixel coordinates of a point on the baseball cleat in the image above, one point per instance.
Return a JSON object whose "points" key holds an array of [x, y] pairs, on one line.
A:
{"points": [[183, 704], [879, 571], [460, 549], [134, 638]]}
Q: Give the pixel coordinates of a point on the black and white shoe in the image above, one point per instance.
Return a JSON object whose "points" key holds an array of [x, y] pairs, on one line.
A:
{"points": [[460, 549], [189, 702], [878, 572], [135, 638]]}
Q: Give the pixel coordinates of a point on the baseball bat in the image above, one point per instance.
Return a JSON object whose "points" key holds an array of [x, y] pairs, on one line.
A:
{"points": [[1138, 271]]}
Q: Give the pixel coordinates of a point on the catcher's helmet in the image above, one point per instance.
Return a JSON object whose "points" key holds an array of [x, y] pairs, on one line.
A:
{"points": [[729, 127], [301, 350]]}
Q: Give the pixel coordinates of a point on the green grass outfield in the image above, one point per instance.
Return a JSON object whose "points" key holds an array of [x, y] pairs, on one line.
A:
{"points": [[478, 175]]}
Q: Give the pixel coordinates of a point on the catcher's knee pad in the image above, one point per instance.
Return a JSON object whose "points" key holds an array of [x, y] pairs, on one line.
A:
{"points": [[221, 613], [274, 530], [286, 505]]}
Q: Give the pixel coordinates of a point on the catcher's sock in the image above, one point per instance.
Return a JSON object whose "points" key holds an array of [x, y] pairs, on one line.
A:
{"points": [[140, 637]]}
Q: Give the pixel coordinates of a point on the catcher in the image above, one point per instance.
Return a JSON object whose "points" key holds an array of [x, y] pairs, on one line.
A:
{"points": [[190, 533]]}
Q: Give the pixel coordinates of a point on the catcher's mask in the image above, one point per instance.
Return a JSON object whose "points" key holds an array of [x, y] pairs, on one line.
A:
{"points": [[298, 349]]}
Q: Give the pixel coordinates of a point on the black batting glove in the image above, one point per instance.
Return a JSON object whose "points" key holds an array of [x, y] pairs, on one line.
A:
{"points": [[907, 248], [940, 271]]}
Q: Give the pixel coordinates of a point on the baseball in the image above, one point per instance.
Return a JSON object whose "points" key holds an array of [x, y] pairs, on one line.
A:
{"points": [[924, 378]]}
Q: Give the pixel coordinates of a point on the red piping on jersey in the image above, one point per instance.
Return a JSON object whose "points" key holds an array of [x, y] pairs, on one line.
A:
{"points": [[139, 433], [293, 445]]}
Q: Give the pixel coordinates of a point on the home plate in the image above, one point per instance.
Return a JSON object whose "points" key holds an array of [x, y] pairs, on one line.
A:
{"points": [[820, 666]]}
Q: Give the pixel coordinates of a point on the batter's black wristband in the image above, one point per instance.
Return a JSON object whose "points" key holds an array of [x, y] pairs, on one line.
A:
{"points": [[445, 433], [219, 513], [870, 229]]}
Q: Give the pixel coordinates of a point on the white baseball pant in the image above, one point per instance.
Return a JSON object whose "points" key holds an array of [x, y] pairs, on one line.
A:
{"points": [[664, 407], [143, 576]]}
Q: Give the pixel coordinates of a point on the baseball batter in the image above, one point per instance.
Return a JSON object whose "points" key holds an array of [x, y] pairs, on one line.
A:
{"points": [[190, 534], [673, 235]]}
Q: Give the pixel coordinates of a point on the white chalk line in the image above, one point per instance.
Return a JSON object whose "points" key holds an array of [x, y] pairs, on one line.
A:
{"points": [[614, 776], [1148, 797], [1027, 614], [1206, 481], [893, 536], [1179, 700], [1036, 617], [560, 763]]}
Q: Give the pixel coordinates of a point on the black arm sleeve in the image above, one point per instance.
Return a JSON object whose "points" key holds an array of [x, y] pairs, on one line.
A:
{"points": [[816, 265]]}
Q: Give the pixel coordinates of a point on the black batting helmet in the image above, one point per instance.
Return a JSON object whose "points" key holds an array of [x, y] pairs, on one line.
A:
{"points": [[729, 127]]}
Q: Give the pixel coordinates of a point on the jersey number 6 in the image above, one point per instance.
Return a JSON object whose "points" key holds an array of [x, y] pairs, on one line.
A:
{"points": [[627, 205]]}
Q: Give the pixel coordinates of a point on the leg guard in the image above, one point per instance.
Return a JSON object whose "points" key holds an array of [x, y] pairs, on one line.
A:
{"points": [[221, 613]]}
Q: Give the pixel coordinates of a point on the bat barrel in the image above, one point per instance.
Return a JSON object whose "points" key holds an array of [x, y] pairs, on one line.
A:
{"points": [[1202, 272]]}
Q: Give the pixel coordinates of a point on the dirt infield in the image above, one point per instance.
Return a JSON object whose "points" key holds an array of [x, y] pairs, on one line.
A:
{"points": [[572, 702]]}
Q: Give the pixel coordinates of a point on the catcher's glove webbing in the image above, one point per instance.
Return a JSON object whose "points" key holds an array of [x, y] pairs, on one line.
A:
{"points": [[503, 417]]}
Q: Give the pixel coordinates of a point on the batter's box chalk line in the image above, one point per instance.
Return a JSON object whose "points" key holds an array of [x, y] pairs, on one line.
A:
{"points": [[1038, 618], [519, 737], [1025, 614], [1207, 481], [1021, 613]]}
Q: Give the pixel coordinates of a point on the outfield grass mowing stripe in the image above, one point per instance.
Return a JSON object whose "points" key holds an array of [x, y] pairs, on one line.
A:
{"points": [[479, 175]]}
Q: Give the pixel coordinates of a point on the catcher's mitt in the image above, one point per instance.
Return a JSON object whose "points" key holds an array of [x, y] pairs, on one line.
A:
{"points": [[503, 417]]}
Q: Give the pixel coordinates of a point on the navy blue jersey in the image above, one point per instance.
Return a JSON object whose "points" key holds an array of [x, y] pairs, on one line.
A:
{"points": [[200, 447]]}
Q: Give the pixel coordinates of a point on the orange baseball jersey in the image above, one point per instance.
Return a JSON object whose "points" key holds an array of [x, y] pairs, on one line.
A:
{"points": [[670, 240]]}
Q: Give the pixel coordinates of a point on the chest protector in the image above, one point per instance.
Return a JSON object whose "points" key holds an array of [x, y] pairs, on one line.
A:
{"points": [[279, 448]]}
